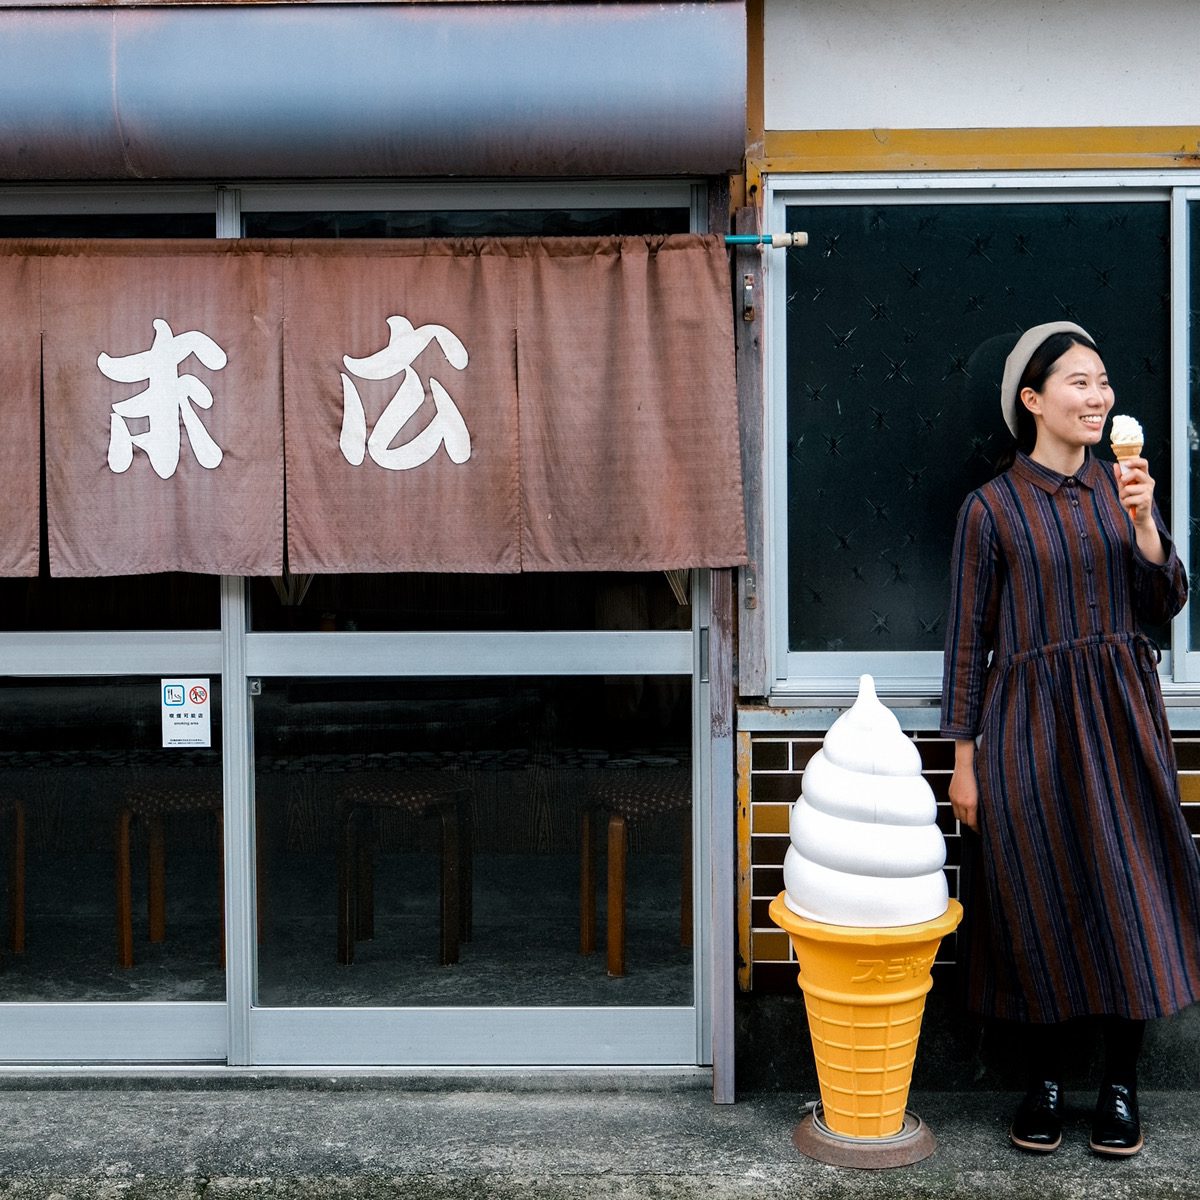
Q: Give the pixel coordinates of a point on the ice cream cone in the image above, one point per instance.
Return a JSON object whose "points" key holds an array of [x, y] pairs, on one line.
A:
{"points": [[1121, 452], [864, 991]]}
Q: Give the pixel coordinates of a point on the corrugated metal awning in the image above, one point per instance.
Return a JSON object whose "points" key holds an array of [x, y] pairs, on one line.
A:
{"points": [[377, 91]]}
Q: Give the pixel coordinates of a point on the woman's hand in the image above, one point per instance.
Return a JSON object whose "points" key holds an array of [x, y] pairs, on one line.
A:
{"points": [[1135, 487], [964, 787]]}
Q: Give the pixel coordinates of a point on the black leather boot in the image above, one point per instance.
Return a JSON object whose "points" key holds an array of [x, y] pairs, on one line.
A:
{"points": [[1037, 1125], [1116, 1126]]}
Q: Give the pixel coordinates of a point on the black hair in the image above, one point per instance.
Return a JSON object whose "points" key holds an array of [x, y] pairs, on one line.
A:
{"points": [[1041, 363]]}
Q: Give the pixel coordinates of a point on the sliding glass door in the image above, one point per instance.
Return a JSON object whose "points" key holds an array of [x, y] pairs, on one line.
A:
{"points": [[430, 819]]}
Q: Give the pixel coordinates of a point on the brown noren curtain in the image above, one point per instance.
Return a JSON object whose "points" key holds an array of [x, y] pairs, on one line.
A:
{"points": [[497, 405], [20, 445], [164, 420]]}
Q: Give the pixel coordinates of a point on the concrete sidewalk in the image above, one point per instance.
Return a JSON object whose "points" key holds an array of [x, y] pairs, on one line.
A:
{"points": [[104, 1137]]}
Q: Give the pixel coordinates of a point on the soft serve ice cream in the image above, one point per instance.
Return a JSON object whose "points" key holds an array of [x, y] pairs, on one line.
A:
{"points": [[1125, 431], [1125, 436], [866, 849]]}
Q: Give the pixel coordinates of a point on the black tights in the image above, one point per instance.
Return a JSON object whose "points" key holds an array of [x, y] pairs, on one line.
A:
{"points": [[1122, 1047]]}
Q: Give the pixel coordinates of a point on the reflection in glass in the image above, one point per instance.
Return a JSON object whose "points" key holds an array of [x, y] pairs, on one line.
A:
{"points": [[109, 225], [420, 840], [899, 318], [535, 601], [469, 224], [112, 846], [119, 602]]}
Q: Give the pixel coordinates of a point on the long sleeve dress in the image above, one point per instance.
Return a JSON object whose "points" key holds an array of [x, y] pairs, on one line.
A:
{"points": [[1088, 896]]}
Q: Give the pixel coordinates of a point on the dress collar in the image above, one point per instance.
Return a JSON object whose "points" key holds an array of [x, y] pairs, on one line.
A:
{"points": [[1050, 481]]}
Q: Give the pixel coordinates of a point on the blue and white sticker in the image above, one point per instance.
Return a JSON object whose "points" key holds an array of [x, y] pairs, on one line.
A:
{"points": [[186, 713]]}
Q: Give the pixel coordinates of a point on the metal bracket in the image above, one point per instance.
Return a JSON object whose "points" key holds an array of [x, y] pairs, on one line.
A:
{"points": [[747, 297], [750, 586]]}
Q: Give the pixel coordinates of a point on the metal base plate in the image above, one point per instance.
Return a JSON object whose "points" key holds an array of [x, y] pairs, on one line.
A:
{"points": [[816, 1140]]}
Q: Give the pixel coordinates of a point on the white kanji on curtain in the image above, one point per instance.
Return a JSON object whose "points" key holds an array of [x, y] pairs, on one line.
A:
{"points": [[445, 426], [166, 400]]}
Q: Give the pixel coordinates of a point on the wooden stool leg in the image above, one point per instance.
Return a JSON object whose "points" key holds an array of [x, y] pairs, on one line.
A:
{"points": [[16, 881], [451, 884], [617, 841], [466, 873], [260, 873], [157, 878], [587, 884], [124, 891], [364, 891], [346, 886], [685, 890]]}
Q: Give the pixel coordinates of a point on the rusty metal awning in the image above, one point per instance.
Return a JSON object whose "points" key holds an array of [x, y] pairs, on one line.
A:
{"points": [[349, 91]]}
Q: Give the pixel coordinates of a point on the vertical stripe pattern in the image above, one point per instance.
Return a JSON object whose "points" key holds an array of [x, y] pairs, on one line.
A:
{"points": [[1086, 894]]}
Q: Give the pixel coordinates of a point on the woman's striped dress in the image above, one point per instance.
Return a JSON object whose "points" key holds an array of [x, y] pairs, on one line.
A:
{"points": [[1088, 897]]}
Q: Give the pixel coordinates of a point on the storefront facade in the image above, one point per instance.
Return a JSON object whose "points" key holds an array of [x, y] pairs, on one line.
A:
{"points": [[437, 723], [959, 180]]}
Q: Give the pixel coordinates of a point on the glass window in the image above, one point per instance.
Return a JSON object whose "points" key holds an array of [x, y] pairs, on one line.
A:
{"points": [[123, 602], [898, 320], [468, 224], [112, 846], [109, 225], [174, 601], [416, 602], [407, 825]]}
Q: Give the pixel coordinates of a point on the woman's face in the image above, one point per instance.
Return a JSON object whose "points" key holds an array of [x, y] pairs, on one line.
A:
{"points": [[1074, 402]]}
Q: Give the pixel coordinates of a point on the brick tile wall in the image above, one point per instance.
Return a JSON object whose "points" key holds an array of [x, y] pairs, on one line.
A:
{"points": [[775, 766]]}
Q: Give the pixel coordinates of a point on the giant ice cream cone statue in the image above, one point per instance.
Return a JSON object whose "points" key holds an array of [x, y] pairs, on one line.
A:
{"points": [[865, 907], [864, 990]]}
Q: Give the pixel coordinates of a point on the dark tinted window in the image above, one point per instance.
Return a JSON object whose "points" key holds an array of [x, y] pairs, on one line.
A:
{"points": [[899, 319]]}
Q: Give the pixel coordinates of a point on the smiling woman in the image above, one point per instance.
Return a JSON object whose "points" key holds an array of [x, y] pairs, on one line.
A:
{"points": [[1084, 893], [1059, 403]]}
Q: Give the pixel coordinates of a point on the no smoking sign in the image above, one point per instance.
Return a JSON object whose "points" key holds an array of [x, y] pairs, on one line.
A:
{"points": [[186, 713]]}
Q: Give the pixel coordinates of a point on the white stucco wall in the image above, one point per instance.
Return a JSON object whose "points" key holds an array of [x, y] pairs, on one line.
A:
{"points": [[914, 64]]}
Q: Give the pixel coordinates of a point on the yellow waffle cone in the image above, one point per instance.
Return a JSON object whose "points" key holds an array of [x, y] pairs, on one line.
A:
{"points": [[864, 990], [1122, 451]]}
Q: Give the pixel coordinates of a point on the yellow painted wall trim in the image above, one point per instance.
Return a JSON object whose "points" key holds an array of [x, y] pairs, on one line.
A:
{"points": [[1093, 147]]}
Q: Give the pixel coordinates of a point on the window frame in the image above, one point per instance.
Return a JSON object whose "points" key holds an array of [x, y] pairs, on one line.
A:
{"points": [[238, 1032], [816, 678]]}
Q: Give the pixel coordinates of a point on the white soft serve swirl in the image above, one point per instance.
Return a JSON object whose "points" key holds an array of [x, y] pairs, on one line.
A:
{"points": [[866, 849]]}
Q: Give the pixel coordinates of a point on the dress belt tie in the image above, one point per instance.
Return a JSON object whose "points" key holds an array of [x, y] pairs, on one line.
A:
{"points": [[1145, 649]]}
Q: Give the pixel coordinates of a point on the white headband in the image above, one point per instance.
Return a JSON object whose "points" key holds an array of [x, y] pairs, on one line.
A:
{"points": [[1018, 360]]}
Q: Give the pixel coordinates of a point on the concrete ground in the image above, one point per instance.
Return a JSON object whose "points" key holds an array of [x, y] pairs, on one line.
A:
{"points": [[104, 1136]]}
